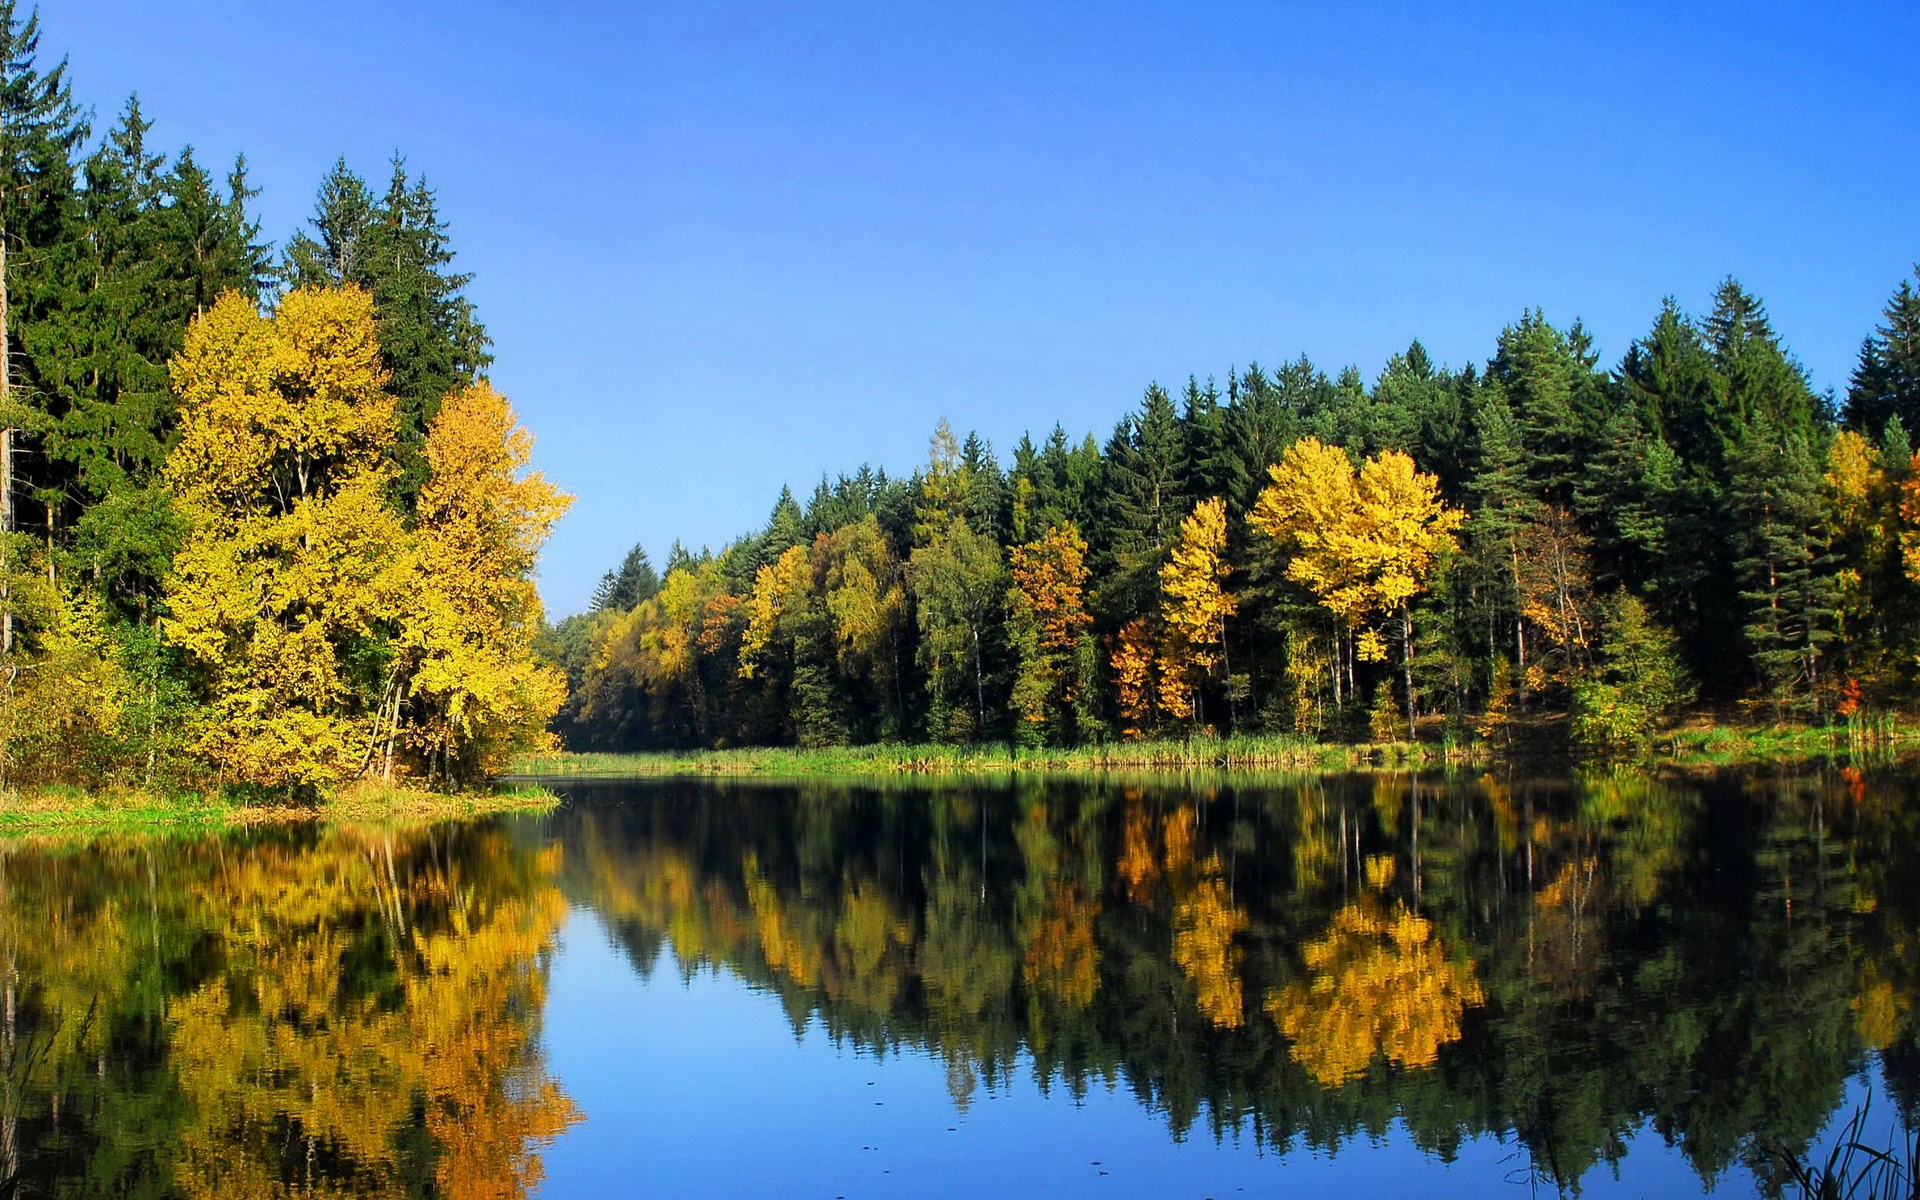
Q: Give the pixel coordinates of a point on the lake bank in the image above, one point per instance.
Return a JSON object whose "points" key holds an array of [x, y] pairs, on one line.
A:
{"points": [[61, 809], [1689, 747]]}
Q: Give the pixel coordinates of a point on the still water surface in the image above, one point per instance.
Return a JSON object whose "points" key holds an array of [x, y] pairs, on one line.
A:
{"points": [[1363, 986]]}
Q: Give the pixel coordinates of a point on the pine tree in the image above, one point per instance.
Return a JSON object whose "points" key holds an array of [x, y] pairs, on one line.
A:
{"points": [[396, 247], [40, 130], [634, 583], [1784, 571], [1886, 383], [1143, 502], [1550, 384]]}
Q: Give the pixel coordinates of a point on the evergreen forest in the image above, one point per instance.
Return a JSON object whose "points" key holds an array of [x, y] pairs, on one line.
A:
{"points": [[263, 522], [1537, 548]]}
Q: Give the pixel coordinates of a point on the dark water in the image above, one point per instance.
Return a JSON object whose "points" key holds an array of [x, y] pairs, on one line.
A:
{"points": [[1369, 986]]}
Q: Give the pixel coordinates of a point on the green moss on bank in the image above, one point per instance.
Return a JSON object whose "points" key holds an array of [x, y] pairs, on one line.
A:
{"points": [[65, 808]]}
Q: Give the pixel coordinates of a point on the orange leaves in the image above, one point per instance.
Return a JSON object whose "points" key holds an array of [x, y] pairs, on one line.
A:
{"points": [[1049, 618], [1050, 576], [1133, 677]]}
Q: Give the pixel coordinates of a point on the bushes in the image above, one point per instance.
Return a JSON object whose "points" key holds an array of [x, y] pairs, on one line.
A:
{"points": [[1637, 685]]}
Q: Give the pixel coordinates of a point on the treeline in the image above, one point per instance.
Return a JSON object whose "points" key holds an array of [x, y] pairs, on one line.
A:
{"points": [[1455, 553], [261, 519]]}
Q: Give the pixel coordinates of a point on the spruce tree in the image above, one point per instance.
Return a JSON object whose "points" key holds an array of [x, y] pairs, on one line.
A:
{"points": [[1784, 570], [1142, 503], [396, 247], [40, 130], [1886, 383]]}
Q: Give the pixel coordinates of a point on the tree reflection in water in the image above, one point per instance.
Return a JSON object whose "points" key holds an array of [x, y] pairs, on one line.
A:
{"points": [[1560, 964], [318, 1013], [1557, 962]]}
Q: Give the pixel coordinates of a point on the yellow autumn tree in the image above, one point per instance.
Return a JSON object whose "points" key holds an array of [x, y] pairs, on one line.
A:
{"points": [[295, 562], [1133, 678], [466, 682], [1364, 544], [1047, 624], [1194, 608]]}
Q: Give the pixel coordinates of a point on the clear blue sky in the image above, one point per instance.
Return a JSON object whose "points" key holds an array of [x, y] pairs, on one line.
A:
{"points": [[723, 247]]}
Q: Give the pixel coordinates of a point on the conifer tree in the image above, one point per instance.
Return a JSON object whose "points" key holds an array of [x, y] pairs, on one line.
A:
{"points": [[40, 129], [1142, 503], [395, 246], [1785, 574], [1886, 383]]}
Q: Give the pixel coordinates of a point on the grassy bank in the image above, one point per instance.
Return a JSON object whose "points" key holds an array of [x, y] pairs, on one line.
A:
{"points": [[61, 808], [1232, 753], [1695, 746]]}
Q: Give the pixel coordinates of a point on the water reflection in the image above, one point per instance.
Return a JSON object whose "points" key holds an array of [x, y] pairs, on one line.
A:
{"points": [[1559, 964], [302, 1012], [1309, 963]]}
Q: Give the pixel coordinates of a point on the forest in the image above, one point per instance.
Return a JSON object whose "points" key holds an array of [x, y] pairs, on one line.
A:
{"points": [[264, 525], [1534, 547]]}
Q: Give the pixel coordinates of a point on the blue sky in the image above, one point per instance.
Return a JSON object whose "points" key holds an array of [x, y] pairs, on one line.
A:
{"points": [[722, 247]]}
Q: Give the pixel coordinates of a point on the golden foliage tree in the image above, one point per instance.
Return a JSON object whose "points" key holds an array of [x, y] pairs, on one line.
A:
{"points": [[471, 689], [1364, 544], [1134, 673], [1194, 608], [1378, 983], [295, 563], [1048, 623]]}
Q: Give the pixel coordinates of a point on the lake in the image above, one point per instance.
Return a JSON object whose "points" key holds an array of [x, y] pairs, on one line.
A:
{"points": [[1383, 985]]}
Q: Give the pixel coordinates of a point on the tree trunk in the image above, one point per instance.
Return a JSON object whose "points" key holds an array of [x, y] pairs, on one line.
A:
{"points": [[1406, 654]]}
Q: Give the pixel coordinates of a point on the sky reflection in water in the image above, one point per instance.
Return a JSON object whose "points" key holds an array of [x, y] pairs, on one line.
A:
{"points": [[1360, 987]]}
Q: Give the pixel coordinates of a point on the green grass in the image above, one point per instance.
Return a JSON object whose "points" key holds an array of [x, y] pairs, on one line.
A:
{"points": [[59, 808]]}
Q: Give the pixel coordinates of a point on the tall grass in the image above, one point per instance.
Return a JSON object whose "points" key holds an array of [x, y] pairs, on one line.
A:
{"points": [[54, 809], [1856, 1170], [1231, 753]]}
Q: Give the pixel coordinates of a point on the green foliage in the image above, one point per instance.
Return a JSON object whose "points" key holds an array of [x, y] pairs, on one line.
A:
{"points": [[1638, 684]]}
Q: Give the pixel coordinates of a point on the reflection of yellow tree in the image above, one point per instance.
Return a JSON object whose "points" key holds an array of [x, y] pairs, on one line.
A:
{"points": [[1379, 983], [1062, 959], [1205, 922], [350, 1013], [1138, 864], [304, 1067]]}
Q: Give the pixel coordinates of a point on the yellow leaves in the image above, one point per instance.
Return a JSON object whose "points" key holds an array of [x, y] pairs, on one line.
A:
{"points": [[1364, 544], [1205, 922], [294, 555], [782, 590], [1379, 984], [298, 572], [1194, 606], [273, 408]]}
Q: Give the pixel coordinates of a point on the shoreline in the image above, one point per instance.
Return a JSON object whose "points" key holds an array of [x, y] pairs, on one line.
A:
{"points": [[1686, 748], [62, 810]]}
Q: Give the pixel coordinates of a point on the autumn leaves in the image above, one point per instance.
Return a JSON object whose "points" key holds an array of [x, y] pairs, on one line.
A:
{"points": [[1363, 544], [327, 634]]}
